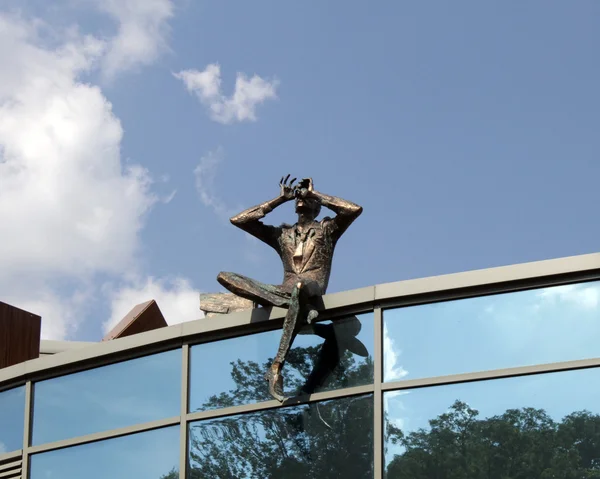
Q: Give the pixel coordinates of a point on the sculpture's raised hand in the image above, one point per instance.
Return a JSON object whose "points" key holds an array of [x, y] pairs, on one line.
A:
{"points": [[287, 189], [305, 188]]}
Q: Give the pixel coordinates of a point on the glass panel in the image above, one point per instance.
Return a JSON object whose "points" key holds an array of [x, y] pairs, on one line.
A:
{"points": [[328, 439], [147, 455], [515, 329], [122, 394], [12, 419], [541, 426], [231, 372]]}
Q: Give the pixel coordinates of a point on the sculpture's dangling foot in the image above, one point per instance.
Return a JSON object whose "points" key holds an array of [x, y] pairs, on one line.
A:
{"points": [[275, 384], [312, 315]]}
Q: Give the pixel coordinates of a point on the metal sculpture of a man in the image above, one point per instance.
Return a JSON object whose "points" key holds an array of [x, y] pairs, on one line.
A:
{"points": [[306, 251]]}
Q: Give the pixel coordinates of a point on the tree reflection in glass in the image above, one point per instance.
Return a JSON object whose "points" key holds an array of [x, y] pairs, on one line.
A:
{"points": [[521, 428], [326, 356], [329, 439]]}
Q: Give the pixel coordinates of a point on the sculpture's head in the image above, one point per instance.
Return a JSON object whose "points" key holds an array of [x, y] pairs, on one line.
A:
{"points": [[308, 207]]}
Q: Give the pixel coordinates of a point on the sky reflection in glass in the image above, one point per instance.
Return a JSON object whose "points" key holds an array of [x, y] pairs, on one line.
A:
{"points": [[147, 455], [319, 440], [12, 417], [216, 382], [109, 397], [553, 324], [495, 423]]}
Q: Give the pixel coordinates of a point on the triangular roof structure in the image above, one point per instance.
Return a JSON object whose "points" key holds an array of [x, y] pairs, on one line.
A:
{"points": [[143, 317]]}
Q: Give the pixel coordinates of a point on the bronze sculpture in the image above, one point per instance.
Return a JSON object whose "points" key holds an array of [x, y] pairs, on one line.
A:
{"points": [[306, 251]]}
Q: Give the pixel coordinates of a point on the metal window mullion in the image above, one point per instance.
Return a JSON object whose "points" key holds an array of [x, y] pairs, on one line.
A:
{"points": [[27, 420], [183, 440], [100, 436], [273, 404], [506, 373], [377, 394]]}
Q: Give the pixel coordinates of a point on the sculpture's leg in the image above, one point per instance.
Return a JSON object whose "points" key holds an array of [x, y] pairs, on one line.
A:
{"points": [[263, 294], [301, 294]]}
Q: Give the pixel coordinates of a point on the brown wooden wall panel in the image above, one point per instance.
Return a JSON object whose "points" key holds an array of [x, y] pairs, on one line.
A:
{"points": [[143, 317], [19, 335]]}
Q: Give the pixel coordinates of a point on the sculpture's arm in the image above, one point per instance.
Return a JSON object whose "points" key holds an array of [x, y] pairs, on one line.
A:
{"points": [[346, 211], [249, 220]]}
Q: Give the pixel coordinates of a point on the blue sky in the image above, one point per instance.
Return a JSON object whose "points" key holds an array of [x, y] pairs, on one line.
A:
{"points": [[466, 130]]}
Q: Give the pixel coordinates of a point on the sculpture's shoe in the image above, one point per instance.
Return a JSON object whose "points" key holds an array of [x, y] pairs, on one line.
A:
{"points": [[275, 385], [312, 315]]}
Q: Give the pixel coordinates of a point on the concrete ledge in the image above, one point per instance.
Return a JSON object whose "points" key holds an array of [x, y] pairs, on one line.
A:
{"points": [[483, 277], [55, 347], [352, 297]]}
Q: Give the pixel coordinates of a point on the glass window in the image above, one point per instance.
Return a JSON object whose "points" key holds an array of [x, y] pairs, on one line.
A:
{"points": [[544, 426], [12, 419], [554, 324], [148, 455], [122, 394], [328, 439], [332, 356]]}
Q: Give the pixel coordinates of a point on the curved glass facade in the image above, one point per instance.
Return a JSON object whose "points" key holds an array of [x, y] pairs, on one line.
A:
{"points": [[12, 414], [150, 454], [523, 328], [491, 385], [230, 372], [321, 439], [545, 425], [110, 397]]}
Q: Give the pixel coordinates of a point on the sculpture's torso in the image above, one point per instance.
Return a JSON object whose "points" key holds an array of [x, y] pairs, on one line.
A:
{"points": [[306, 253]]}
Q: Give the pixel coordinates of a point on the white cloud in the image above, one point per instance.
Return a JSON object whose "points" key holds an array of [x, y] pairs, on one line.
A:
{"points": [[490, 309], [167, 199], [393, 405], [60, 314], [205, 174], [241, 106], [69, 208], [391, 370], [176, 298], [66, 203], [142, 33], [582, 295]]}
